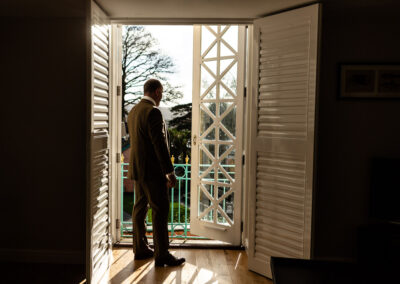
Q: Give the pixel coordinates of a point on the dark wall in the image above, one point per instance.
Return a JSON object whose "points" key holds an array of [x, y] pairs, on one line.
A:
{"points": [[43, 121], [351, 132]]}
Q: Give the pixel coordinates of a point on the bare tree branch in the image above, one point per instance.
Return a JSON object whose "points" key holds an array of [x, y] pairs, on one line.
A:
{"points": [[141, 60]]}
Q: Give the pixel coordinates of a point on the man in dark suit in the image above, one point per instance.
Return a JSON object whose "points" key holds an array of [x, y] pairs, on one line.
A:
{"points": [[153, 173]]}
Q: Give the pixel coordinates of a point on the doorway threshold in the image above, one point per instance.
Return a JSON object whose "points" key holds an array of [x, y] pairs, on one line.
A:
{"points": [[188, 243]]}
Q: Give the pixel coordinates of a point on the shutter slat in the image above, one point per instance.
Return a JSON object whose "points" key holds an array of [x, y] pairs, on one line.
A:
{"points": [[100, 101], [99, 227], [281, 95], [100, 60], [295, 86], [100, 68], [281, 127], [100, 76], [274, 224], [100, 93], [282, 42], [282, 103], [280, 238], [100, 108], [270, 31], [98, 84], [100, 52], [100, 36], [279, 200], [298, 65], [283, 118], [100, 116], [99, 254], [283, 135], [283, 79], [264, 215], [285, 70], [283, 169], [279, 186], [292, 55], [282, 110], [288, 51], [102, 30], [276, 208], [276, 59], [100, 124], [100, 45], [276, 249]]}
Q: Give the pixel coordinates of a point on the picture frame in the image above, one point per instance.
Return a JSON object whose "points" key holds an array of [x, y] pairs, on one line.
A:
{"points": [[375, 81]]}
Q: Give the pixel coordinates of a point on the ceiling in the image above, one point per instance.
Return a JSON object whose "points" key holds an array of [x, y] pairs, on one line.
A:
{"points": [[211, 10], [194, 9]]}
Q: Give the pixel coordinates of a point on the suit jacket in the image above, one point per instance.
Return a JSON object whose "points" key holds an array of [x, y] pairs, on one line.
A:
{"points": [[149, 157]]}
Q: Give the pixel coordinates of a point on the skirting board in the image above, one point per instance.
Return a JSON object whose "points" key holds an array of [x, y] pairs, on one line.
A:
{"points": [[42, 256]]}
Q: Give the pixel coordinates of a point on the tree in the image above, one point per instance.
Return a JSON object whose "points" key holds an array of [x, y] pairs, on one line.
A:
{"points": [[180, 131], [180, 144], [141, 60], [182, 117]]}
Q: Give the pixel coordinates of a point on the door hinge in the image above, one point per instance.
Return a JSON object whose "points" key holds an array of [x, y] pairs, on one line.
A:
{"points": [[244, 91], [241, 226], [118, 223], [118, 91], [118, 157], [243, 159]]}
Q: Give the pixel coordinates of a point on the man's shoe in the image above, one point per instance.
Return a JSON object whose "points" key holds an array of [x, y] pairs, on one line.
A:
{"points": [[169, 260], [144, 255]]}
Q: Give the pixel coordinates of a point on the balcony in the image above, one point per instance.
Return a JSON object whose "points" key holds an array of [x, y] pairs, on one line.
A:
{"points": [[179, 215], [179, 219]]}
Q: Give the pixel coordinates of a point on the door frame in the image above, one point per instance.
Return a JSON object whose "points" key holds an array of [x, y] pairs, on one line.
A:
{"points": [[115, 121], [246, 139], [116, 124]]}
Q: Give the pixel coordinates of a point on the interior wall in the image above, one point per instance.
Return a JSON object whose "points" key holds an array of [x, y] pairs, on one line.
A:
{"points": [[43, 122], [351, 132]]}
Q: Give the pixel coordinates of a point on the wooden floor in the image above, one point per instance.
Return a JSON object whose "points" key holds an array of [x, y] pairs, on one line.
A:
{"points": [[202, 266]]}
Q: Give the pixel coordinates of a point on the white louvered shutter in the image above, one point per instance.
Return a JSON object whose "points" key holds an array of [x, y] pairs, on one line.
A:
{"points": [[99, 256], [282, 136]]}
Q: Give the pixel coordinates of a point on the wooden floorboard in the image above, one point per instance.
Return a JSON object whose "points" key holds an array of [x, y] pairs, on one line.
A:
{"points": [[202, 266]]}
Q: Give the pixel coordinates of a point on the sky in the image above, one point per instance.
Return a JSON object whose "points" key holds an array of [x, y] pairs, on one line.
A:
{"points": [[177, 42]]}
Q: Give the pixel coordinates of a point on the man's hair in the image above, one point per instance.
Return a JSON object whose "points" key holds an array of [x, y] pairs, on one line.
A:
{"points": [[151, 86]]}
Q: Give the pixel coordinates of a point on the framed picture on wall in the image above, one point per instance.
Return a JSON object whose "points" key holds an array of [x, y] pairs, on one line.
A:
{"points": [[369, 81]]}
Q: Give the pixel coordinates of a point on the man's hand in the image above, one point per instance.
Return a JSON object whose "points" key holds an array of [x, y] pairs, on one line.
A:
{"points": [[171, 180]]}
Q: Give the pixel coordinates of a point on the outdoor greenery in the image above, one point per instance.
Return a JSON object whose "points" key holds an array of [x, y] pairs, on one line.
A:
{"points": [[182, 117], [180, 132], [180, 144], [128, 206]]}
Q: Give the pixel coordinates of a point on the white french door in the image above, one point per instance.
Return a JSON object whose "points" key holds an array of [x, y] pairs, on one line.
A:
{"points": [[281, 140], [217, 127]]}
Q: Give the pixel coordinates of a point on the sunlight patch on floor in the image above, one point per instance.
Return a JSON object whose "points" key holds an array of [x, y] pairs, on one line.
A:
{"points": [[202, 266]]}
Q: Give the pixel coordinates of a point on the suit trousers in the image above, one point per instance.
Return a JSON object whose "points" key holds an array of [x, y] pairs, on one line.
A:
{"points": [[155, 193]]}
